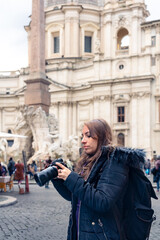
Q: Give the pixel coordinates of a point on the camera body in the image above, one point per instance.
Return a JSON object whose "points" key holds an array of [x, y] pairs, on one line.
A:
{"points": [[49, 173]]}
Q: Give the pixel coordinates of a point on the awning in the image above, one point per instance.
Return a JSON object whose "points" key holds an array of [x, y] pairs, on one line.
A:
{"points": [[10, 135]]}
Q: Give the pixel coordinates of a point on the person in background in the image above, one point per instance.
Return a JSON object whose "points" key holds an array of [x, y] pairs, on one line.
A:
{"points": [[3, 170], [34, 166], [29, 171], [147, 167], [19, 173], [157, 166], [11, 166]]}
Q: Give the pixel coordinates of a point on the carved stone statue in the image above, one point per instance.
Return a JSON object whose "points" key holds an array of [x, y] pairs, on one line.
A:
{"points": [[34, 124], [42, 137]]}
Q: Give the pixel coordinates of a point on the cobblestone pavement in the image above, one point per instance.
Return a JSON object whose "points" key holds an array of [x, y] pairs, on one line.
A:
{"points": [[42, 215]]}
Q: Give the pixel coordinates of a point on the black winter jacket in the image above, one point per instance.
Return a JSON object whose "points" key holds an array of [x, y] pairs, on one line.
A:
{"points": [[105, 187]]}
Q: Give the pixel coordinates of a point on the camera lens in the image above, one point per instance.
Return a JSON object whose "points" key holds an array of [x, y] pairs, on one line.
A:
{"points": [[47, 174]]}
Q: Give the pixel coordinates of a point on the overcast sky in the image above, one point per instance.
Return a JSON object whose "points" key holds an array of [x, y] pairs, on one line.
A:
{"points": [[14, 15]]}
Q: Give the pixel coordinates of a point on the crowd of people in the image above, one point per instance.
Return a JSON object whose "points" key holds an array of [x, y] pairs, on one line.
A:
{"points": [[152, 167], [7, 169], [16, 170]]}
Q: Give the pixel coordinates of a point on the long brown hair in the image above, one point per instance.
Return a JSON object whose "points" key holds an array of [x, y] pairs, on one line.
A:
{"points": [[101, 130]]}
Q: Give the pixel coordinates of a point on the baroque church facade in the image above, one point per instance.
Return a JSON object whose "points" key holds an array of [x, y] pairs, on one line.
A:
{"points": [[102, 59]]}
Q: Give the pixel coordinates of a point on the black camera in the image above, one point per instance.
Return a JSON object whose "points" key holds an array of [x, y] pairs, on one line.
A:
{"points": [[49, 173]]}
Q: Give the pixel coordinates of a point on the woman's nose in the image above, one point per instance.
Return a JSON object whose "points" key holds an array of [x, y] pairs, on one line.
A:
{"points": [[83, 140]]}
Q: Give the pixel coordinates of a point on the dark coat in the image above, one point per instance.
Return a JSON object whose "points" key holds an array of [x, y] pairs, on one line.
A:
{"points": [[19, 173], [11, 166], [105, 186]]}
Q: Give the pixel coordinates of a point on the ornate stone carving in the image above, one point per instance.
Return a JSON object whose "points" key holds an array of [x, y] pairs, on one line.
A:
{"points": [[43, 137], [33, 123], [97, 45], [122, 22], [102, 98], [69, 150], [140, 94], [3, 148], [121, 98]]}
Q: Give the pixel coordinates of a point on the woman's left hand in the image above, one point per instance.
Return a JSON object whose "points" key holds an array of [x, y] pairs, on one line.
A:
{"points": [[63, 172]]}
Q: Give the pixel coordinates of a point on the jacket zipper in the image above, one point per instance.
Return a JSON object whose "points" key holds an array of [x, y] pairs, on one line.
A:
{"points": [[71, 223], [101, 225], [78, 219], [80, 201]]}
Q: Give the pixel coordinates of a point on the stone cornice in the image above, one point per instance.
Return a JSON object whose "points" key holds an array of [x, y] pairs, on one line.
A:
{"points": [[78, 8], [120, 80], [150, 24], [110, 82]]}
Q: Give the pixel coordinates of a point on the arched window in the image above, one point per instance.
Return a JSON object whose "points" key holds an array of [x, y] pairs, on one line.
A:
{"points": [[122, 39], [121, 139], [89, 35], [10, 141], [54, 40]]}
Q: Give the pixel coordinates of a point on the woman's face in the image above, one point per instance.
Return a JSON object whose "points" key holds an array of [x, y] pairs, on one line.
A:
{"points": [[89, 144]]}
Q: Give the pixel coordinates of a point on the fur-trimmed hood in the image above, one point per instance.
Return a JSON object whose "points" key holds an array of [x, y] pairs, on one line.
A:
{"points": [[129, 156]]}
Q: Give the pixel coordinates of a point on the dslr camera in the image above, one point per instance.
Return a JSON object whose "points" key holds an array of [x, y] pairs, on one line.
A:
{"points": [[49, 173]]}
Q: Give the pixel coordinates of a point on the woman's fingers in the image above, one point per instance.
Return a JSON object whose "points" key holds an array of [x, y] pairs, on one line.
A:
{"points": [[63, 172], [60, 165]]}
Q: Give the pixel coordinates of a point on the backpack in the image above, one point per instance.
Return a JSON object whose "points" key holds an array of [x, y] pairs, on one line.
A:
{"points": [[138, 214]]}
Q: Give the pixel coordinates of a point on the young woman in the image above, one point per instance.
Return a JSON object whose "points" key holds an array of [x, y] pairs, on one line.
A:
{"points": [[99, 181]]}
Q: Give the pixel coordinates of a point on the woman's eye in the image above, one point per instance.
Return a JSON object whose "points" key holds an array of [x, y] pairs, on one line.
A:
{"points": [[88, 135]]}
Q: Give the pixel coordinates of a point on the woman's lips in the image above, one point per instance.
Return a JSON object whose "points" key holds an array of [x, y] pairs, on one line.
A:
{"points": [[85, 147]]}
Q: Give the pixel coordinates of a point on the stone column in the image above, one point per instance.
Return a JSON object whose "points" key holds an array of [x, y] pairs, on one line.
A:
{"points": [[96, 107], [134, 121], [107, 30], [37, 92], [135, 37], [74, 117], [72, 30]]}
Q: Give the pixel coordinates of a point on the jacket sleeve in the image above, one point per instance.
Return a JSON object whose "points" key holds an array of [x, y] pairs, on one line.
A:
{"points": [[62, 189], [110, 185]]}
